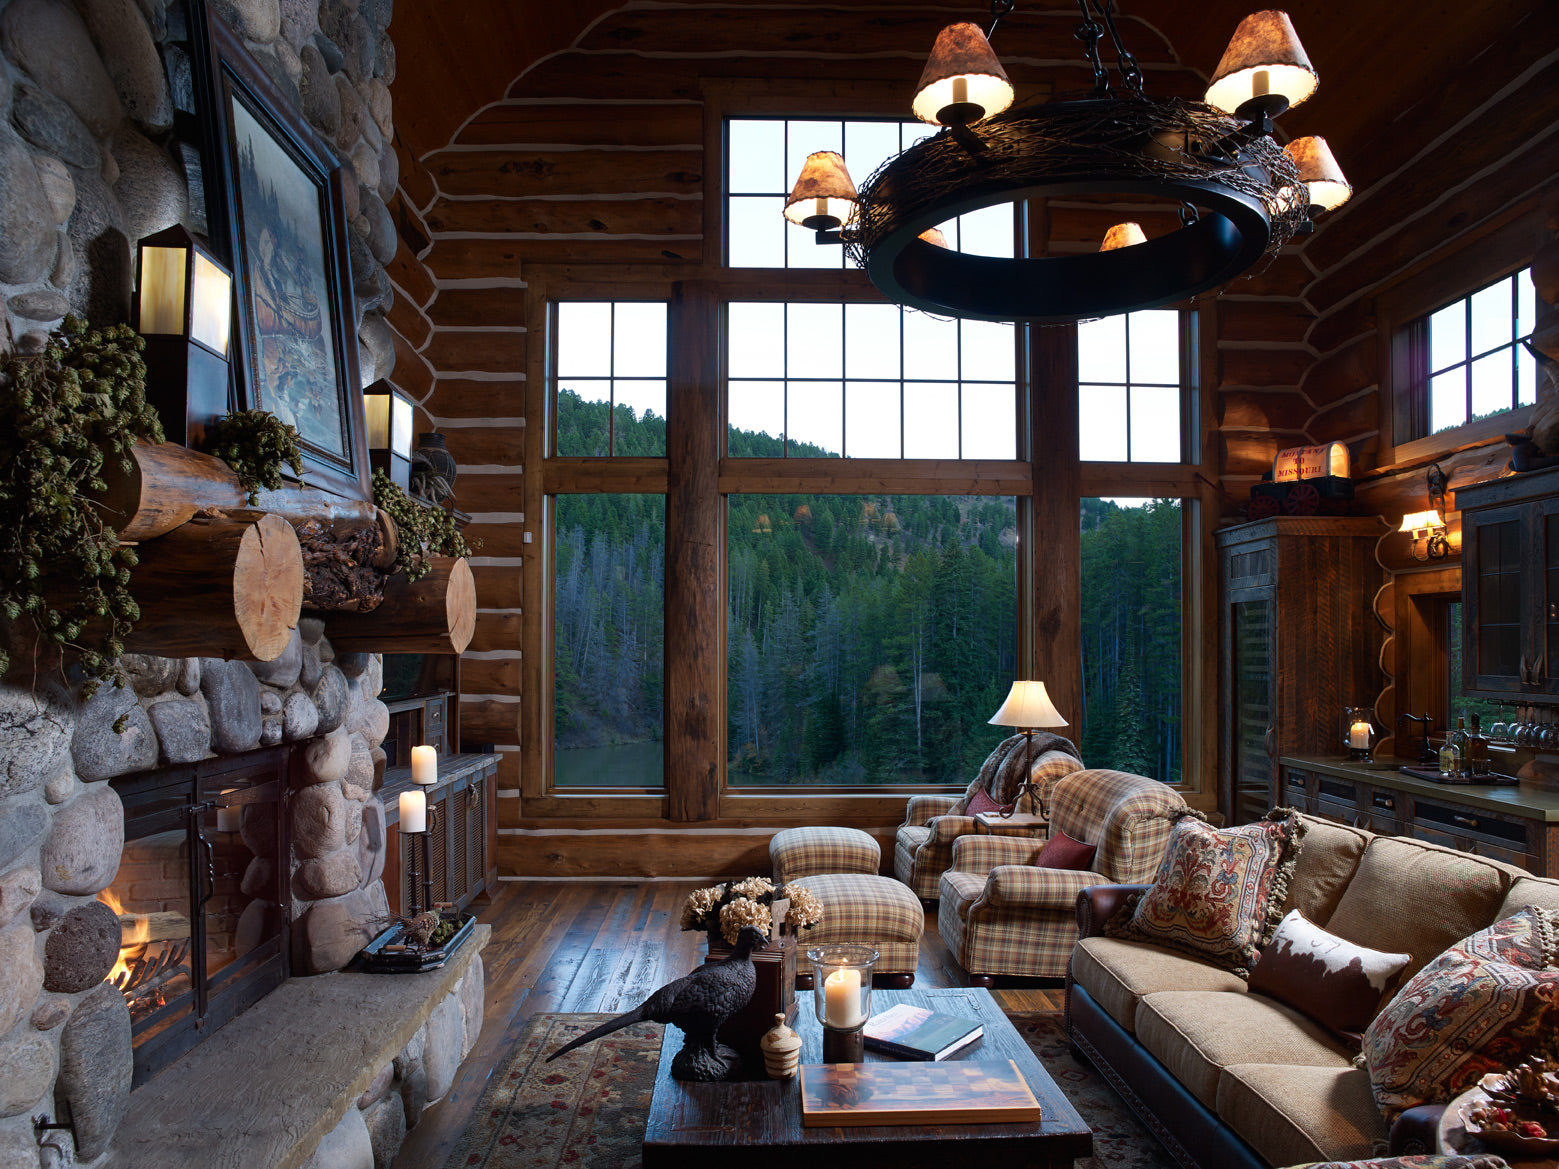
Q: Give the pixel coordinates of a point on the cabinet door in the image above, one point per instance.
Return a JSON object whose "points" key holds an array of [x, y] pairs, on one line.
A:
{"points": [[1496, 649], [1251, 708], [1545, 607]]}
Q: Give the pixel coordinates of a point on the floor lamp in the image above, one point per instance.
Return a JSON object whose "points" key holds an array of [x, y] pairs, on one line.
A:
{"points": [[1028, 708]]}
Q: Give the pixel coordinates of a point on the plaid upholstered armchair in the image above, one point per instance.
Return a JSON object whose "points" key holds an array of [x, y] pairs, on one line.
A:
{"points": [[999, 914], [923, 844]]}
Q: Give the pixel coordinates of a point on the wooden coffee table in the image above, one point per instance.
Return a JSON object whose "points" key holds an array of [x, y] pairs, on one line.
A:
{"points": [[757, 1123]]}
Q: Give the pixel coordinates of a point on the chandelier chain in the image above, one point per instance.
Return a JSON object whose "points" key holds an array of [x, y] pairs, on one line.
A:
{"points": [[1090, 32], [1131, 72], [999, 9]]}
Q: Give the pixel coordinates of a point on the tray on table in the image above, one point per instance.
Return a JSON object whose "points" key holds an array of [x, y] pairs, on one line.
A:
{"points": [[376, 959]]}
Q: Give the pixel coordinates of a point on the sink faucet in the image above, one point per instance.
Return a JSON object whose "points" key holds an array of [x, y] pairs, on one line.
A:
{"points": [[1425, 753]]}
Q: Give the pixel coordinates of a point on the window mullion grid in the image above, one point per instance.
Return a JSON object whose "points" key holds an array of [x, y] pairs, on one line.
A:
{"points": [[1127, 330], [611, 379]]}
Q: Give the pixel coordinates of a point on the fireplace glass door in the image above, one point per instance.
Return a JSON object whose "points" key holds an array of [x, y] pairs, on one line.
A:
{"points": [[200, 900]]}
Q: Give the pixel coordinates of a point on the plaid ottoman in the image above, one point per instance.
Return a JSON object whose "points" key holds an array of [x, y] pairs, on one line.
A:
{"points": [[875, 911], [800, 852]]}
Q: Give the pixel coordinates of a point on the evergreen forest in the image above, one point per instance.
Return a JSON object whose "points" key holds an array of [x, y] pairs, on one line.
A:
{"points": [[869, 638]]}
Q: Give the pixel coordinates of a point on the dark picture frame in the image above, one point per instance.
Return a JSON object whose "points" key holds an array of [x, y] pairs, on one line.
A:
{"points": [[275, 207]]}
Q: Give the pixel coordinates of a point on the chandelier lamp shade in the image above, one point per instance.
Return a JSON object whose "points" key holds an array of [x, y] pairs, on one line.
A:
{"points": [[1240, 195]]}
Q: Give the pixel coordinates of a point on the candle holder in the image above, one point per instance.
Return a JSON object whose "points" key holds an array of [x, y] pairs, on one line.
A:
{"points": [[842, 997], [1359, 733]]}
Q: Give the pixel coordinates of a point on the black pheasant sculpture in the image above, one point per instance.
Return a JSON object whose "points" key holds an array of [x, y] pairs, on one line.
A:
{"points": [[696, 1004]]}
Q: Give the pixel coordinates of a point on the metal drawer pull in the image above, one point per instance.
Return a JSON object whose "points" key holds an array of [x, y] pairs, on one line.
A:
{"points": [[1526, 679], [1465, 821], [1361, 821], [1385, 802]]}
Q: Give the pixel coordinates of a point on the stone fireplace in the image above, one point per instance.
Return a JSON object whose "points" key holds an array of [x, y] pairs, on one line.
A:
{"points": [[158, 880]]}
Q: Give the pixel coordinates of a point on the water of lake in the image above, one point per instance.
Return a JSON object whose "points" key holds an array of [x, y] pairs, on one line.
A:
{"points": [[625, 765]]}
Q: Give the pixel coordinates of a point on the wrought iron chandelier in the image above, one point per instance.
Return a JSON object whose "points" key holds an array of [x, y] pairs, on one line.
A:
{"points": [[1240, 195]]}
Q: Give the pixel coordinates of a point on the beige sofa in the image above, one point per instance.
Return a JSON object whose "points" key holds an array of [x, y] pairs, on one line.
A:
{"points": [[1226, 1077]]}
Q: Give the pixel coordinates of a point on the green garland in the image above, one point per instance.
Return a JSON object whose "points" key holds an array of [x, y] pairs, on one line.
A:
{"points": [[63, 412], [255, 443], [424, 531]]}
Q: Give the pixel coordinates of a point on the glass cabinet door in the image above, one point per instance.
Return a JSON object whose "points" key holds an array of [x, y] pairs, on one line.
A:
{"points": [[1250, 671], [1496, 651]]}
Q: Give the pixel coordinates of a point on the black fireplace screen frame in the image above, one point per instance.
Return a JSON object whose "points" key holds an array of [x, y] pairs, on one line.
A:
{"points": [[190, 798]]}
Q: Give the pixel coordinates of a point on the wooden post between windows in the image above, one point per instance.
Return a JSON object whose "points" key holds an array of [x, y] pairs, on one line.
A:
{"points": [[1056, 558], [695, 695]]}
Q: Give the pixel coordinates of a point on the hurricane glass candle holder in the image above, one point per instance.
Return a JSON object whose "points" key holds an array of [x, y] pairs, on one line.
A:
{"points": [[842, 996], [1359, 733]]}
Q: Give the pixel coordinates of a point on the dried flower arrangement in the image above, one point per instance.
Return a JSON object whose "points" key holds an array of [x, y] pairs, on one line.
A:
{"points": [[721, 910]]}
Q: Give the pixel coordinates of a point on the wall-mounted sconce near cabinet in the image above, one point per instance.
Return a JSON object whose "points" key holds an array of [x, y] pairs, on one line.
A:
{"points": [[1428, 527], [387, 413], [184, 310]]}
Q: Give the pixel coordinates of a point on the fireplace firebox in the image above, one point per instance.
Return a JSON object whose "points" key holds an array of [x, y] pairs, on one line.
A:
{"points": [[201, 898]]}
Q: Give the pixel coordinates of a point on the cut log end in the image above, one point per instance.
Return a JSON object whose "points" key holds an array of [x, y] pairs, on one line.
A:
{"points": [[268, 586], [460, 605]]}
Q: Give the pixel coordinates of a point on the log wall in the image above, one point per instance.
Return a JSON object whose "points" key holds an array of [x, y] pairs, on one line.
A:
{"points": [[591, 175]]}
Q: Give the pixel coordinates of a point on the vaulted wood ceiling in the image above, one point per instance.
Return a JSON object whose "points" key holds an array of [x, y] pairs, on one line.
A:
{"points": [[1382, 66]]}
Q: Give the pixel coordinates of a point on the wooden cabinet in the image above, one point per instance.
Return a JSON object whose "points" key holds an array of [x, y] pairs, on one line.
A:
{"points": [[1298, 642], [459, 853], [1517, 825], [1510, 586]]}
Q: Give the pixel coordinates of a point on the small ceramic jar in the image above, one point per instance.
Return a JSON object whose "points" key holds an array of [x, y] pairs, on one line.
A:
{"points": [[781, 1050]]}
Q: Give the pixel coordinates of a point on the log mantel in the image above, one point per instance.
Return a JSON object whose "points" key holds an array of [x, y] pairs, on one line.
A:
{"points": [[169, 485]]}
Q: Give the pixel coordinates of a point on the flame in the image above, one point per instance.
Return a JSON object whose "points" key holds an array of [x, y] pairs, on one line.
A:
{"points": [[135, 930]]}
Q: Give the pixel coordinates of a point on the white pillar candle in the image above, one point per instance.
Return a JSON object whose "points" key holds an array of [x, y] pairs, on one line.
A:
{"points": [[414, 812], [842, 999], [227, 817], [424, 765], [1359, 736]]}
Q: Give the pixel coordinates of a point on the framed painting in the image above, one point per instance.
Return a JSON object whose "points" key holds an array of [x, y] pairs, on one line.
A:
{"points": [[275, 199]]}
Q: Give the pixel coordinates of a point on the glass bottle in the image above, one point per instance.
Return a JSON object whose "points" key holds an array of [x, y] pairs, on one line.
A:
{"points": [[1451, 755], [1477, 751]]}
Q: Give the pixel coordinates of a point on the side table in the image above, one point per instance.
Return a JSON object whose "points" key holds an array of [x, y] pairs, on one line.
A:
{"points": [[1017, 824]]}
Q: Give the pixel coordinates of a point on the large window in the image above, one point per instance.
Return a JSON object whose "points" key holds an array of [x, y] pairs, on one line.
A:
{"points": [[1129, 388], [610, 370], [869, 638], [1132, 685], [608, 588], [867, 381], [1466, 360], [764, 156]]}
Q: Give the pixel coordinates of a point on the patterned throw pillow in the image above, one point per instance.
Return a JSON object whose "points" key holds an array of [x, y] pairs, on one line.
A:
{"points": [[981, 803], [1482, 1006], [1218, 893], [1335, 982]]}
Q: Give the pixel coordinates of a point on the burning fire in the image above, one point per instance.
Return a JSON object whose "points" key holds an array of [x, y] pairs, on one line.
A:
{"points": [[135, 930]]}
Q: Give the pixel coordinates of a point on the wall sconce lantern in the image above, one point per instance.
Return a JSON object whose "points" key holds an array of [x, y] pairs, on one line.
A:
{"points": [[387, 413], [1428, 527], [184, 310]]}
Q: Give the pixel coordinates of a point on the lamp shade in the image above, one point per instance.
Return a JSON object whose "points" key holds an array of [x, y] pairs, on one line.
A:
{"points": [[183, 291], [1422, 522], [824, 196], [1319, 171], [1263, 59], [1027, 705], [963, 81], [387, 415], [1122, 235], [933, 235]]}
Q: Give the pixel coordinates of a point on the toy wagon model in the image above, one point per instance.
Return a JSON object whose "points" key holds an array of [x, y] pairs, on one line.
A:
{"points": [[1305, 480]]}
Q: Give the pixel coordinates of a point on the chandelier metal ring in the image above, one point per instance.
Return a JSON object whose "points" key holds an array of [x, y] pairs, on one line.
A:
{"points": [[1247, 193]]}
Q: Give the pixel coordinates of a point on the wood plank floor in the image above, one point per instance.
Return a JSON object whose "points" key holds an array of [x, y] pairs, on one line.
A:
{"points": [[604, 946]]}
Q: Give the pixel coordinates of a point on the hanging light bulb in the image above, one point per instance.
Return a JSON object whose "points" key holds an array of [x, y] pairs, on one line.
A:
{"points": [[963, 81], [1319, 171], [1122, 235], [1264, 70], [824, 196]]}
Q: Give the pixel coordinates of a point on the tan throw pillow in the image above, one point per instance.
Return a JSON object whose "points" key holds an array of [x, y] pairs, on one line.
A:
{"points": [[1335, 982], [1219, 892], [1484, 1005]]}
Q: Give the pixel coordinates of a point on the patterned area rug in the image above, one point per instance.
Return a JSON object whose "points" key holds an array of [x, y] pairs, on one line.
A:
{"points": [[587, 1110]]}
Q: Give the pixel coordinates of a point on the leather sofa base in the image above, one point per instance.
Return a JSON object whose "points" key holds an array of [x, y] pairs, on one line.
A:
{"points": [[1191, 1132]]}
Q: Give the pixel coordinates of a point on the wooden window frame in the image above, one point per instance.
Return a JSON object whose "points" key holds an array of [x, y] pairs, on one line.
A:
{"points": [[1506, 245]]}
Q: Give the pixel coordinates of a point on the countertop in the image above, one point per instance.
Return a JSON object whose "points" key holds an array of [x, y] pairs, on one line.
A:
{"points": [[1529, 803]]}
